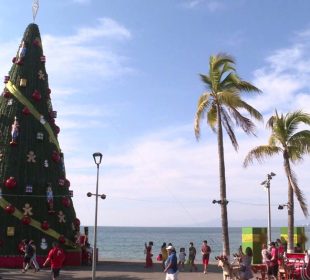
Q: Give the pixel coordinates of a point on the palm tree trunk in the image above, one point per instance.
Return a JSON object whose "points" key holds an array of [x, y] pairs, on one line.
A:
{"points": [[290, 206], [224, 219]]}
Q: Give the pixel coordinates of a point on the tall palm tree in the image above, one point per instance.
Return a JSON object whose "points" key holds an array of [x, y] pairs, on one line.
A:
{"points": [[293, 144], [220, 106]]}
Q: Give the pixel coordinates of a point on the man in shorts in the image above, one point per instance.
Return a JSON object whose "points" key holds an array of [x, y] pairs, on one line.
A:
{"points": [[56, 256], [171, 265], [205, 251]]}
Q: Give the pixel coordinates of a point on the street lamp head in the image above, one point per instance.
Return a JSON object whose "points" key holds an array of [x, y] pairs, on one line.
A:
{"points": [[280, 207], [272, 174], [103, 196], [97, 158], [263, 183], [89, 194]]}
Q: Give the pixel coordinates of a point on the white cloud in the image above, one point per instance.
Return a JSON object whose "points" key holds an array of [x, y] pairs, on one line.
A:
{"points": [[169, 168], [87, 55], [285, 78]]}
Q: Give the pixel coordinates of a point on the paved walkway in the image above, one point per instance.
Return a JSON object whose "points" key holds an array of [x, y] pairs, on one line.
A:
{"points": [[112, 271]]}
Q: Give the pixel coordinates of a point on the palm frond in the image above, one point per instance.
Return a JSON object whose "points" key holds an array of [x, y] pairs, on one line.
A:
{"points": [[246, 124], [294, 119], [295, 154], [260, 153], [206, 79], [228, 125], [297, 191], [270, 122], [203, 104], [247, 87], [252, 111], [212, 117], [273, 141], [301, 141], [227, 67], [228, 82], [229, 98], [222, 59]]}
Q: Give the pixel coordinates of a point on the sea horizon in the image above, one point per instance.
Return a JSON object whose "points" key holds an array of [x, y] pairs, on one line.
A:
{"points": [[127, 243]]}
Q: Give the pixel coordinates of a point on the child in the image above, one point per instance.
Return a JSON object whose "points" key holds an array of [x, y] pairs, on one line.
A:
{"points": [[182, 259]]}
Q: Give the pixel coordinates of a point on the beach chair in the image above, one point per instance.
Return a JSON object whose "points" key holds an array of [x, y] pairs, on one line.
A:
{"points": [[294, 264]]}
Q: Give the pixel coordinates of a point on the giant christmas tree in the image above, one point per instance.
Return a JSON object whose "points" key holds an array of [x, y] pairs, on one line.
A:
{"points": [[35, 200]]}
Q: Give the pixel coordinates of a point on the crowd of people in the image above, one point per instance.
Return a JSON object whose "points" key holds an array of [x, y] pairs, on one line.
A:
{"points": [[273, 257], [55, 257], [172, 264]]}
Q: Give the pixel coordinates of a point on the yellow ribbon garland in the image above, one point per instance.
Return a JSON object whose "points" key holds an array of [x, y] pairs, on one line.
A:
{"points": [[21, 98], [3, 203], [18, 214]]}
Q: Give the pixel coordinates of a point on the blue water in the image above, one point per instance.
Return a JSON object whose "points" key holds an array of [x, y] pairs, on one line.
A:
{"points": [[127, 243]]}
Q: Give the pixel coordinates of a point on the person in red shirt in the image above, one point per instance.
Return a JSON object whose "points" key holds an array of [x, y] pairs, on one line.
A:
{"points": [[56, 256], [273, 264], [205, 251]]}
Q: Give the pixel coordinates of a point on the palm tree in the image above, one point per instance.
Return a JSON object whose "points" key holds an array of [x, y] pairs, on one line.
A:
{"points": [[220, 105], [292, 144]]}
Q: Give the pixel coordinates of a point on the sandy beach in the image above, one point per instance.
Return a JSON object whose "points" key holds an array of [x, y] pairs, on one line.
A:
{"points": [[113, 270]]}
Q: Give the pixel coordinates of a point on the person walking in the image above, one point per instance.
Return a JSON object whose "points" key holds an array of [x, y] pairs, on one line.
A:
{"points": [[56, 257], [273, 264], [246, 264], [182, 258], [266, 256], [28, 253], [192, 256], [281, 252], [33, 258], [171, 265], [149, 255], [164, 254], [205, 251]]}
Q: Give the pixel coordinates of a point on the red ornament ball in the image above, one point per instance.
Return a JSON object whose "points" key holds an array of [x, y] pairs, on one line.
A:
{"points": [[45, 225], [66, 201], [49, 91], [10, 183], [55, 156], [36, 95], [14, 59], [10, 209], [61, 239], [7, 94], [26, 111], [26, 220]]}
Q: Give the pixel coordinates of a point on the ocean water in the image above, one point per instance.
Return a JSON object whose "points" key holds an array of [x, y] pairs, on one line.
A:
{"points": [[127, 243]]}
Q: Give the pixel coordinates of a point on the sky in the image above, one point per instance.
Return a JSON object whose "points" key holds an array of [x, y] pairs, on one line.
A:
{"points": [[125, 82]]}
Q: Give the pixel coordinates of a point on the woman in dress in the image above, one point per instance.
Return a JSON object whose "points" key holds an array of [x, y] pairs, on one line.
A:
{"points": [[245, 265], [149, 255]]}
